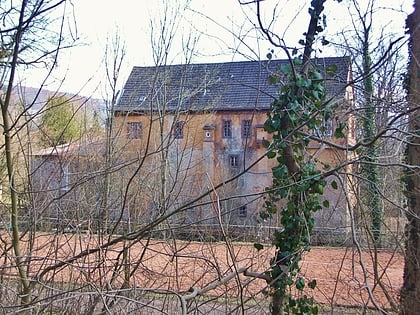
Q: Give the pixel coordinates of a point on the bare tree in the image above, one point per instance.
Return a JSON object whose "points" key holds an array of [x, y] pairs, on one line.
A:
{"points": [[378, 69], [21, 47]]}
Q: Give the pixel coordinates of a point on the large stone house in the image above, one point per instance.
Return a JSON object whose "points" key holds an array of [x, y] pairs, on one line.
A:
{"points": [[200, 127]]}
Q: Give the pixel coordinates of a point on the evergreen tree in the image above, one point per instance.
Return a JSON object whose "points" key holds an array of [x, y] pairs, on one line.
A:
{"points": [[59, 123]]}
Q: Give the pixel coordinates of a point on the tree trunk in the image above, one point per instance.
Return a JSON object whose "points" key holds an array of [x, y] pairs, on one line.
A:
{"points": [[370, 169], [25, 291], [410, 293]]}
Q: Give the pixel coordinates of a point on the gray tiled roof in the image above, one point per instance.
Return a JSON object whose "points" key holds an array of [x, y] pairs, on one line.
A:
{"points": [[214, 86]]}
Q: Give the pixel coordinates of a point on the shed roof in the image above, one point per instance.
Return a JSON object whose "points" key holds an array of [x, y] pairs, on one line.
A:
{"points": [[81, 147], [226, 86]]}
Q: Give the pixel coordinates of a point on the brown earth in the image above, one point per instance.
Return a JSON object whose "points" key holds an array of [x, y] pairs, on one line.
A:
{"points": [[343, 276]]}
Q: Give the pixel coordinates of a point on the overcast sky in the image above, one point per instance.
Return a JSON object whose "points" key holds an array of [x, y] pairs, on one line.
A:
{"points": [[211, 21]]}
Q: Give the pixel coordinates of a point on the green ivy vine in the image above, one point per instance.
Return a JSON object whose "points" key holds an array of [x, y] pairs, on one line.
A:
{"points": [[297, 183], [299, 111]]}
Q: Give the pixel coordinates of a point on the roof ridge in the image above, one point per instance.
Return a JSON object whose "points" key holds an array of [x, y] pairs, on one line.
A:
{"points": [[240, 62]]}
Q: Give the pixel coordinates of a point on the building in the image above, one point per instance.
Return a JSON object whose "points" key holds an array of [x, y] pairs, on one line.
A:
{"points": [[196, 128], [67, 185], [186, 144]]}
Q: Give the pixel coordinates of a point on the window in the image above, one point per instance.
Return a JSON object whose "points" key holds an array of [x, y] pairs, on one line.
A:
{"points": [[234, 160], [134, 130], [246, 129], [65, 178], [242, 211], [325, 130], [227, 129], [179, 130]]}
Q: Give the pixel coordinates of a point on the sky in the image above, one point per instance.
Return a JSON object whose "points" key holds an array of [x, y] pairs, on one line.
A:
{"points": [[223, 29]]}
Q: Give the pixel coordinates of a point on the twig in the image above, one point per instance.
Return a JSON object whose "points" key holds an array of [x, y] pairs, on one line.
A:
{"points": [[213, 285]]}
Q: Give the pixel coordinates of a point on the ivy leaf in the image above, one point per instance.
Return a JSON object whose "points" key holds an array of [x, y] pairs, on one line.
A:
{"points": [[265, 143], [317, 76], [271, 155], [331, 70], [264, 215], [297, 61], [300, 283], [326, 204], [285, 68], [268, 126], [273, 79], [334, 185], [258, 246], [280, 171], [283, 193], [339, 131], [312, 284]]}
